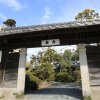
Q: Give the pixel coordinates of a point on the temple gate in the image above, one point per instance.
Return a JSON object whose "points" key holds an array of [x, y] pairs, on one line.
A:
{"points": [[12, 64]]}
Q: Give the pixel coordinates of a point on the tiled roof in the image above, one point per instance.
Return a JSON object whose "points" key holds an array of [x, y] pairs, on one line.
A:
{"points": [[26, 29]]}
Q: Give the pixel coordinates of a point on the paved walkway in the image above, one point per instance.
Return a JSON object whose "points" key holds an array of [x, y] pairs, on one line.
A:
{"points": [[57, 91]]}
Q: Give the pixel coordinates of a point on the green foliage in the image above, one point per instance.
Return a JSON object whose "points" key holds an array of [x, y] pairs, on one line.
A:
{"points": [[32, 82], [10, 22], [33, 59], [44, 72], [75, 55], [27, 65], [48, 56], [77, 75], [87, 14], [53, 66], [87, 98], [67, 55], [64, 77]]}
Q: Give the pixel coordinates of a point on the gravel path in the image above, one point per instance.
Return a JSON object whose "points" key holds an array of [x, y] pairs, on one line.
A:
{"points": [[57, 91]]}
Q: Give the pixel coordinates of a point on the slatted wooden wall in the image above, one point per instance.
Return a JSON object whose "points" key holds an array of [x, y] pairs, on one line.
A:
{"points": [[1, 75], [11, 70], [93, 57]]}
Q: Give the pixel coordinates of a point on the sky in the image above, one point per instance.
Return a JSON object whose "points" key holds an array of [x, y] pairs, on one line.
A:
{"points": [[35, 12]]}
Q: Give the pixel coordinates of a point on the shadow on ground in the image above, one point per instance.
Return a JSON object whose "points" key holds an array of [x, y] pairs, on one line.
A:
{"points": [[59, 89]]}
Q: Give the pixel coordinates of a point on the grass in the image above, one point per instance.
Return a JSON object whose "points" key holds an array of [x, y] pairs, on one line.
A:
{"points": [[19, 96], [2, 97], [87, 98]]}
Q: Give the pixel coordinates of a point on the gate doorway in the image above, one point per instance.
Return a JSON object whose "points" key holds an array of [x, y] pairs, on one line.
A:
{"points": [[61, 84]]}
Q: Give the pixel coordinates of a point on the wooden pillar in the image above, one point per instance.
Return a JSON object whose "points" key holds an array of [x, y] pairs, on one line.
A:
{"points": [[84, 72], [21, 71]]}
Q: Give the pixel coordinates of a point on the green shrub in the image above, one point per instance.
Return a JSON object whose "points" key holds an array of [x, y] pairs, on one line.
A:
{"points": [[64, 77], [33, 77], [45, 72], [32, 82], [51, 77], [77, 75]]}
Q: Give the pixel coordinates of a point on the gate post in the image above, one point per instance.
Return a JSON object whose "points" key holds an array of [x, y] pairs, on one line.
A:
{"points": [[21, 72], [84, 72]]}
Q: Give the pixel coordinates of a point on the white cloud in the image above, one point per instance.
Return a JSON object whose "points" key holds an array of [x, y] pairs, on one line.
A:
{"points": [[46, 16], [14, 4], [3, 17]]}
